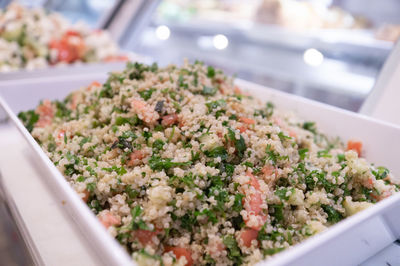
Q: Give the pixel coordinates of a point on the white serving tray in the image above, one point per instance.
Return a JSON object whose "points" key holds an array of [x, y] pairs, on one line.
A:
{"points": [[349, 242], [72, 69]]}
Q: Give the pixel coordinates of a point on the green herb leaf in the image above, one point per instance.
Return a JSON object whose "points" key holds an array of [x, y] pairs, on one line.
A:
{"points": [[237, 204], [91, 187], [84, 140], [210, 72], [61, 110], [146, 94], [324, 154], [215, 104], [137, 222], [282, 193], [29, 119], [310, 126], [209, 91], [240, 144], [283, 137], [341, 158], [278, 212], [219, 151], [303, 153], [234, 253], [119, 170], [333, 215], [157, 163], [158, 145], [133, 121], [381, 173]]}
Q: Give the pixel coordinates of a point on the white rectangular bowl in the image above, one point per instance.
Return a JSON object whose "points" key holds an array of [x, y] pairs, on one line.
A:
{"points": [[349, 242]]}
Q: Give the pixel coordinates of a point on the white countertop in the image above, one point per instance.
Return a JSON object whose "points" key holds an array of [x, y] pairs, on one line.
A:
{"points": [[54, 238]]}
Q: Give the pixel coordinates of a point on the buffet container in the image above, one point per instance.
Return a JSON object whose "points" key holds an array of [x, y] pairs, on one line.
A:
{"points": [[349, 242]]}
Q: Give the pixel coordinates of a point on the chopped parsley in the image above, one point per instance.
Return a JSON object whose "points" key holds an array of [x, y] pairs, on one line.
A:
{"points": [[29, 119], [310, 126], [231, 245], [240, 144], [137, 222], [333, 215], [217, 152], [209, 91], [210, 72], [157, 163], [146, 94]]}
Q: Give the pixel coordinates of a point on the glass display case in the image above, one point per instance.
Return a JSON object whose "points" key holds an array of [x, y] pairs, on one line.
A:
{"points": [[89, 11], [316, 49]]}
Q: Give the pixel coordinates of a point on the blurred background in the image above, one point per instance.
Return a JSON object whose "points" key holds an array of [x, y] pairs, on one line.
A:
{"points": [[327, 50]]}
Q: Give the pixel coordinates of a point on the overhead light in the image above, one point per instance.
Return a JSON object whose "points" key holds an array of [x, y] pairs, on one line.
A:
{"points": [[220, 41], [163, 32], [313, 57]]}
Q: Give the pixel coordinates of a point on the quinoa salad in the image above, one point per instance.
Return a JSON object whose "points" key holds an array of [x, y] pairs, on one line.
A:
{"points": [[35, 38], [184, 168]]}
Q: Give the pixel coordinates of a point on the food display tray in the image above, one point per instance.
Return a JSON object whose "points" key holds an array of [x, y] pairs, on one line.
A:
{"points": [[349, 242]]}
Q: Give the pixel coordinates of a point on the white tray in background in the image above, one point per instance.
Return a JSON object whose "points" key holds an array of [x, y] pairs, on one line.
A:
{"points": [[71, 69], [355, 238]]}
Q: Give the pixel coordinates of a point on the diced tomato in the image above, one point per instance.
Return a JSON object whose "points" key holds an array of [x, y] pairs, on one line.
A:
{"points": [[237, 90], [135, 157], [45, 108], [355, 146], [252, 203], [108, 219], [61, 134], [292, 134], [86, 193], [253, 181], [255, 203], [116, 58], [179, 252], [268, 170], [145, 236], [72, 33], [219, 81], [169, 120], [46, 113], [74, 101], [247, 121], [95, 84], [70, 47], [145, 111], [256, 217], [278, 121], [242, 129], [248, 235]]}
